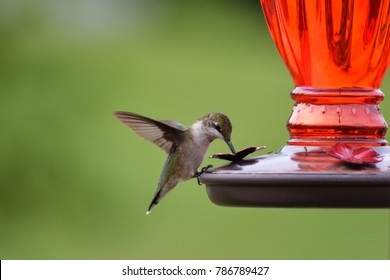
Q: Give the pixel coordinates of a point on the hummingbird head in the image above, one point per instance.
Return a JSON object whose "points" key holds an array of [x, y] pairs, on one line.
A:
{"points": [[218, 126]]}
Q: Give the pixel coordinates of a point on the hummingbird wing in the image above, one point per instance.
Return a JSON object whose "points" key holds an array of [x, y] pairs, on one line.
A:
{"points": [[162, 133]]}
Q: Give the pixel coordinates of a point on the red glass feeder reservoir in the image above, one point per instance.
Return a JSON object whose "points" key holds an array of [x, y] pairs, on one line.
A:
{"points": [[337, 52]]}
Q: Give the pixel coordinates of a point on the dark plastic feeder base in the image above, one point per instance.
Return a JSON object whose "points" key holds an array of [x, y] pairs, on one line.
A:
{"points": [[299, 177]]}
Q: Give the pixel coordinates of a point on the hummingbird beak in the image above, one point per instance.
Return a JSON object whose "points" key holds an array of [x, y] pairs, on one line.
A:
{"points": [[231, 147]]}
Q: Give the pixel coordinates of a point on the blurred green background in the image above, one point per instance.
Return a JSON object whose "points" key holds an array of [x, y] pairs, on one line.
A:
{"points": [[75, 183]]}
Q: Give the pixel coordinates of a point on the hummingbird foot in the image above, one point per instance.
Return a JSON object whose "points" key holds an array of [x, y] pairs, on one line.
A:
{"points": [[199, 173]]}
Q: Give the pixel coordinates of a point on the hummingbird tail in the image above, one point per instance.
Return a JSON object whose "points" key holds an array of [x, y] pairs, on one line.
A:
{"points": [[154, 202]]}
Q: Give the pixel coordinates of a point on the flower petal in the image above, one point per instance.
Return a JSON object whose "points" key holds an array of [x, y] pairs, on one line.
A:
{"points": [[367, 155], [358, 156], [340, 151], [239, 155]]}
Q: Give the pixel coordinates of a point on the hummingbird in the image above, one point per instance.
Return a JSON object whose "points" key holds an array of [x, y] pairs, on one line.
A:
{"points": [[186, 147]]}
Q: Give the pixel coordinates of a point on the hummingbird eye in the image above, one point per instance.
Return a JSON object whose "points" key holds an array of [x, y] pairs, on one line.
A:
{"points": [[217, 126]]}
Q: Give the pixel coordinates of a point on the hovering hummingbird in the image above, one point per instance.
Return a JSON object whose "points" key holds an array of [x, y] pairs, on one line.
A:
{"points": [[186, 147]]}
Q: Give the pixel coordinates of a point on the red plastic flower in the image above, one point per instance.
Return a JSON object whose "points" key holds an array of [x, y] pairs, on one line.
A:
{"points": [[357, 156]]}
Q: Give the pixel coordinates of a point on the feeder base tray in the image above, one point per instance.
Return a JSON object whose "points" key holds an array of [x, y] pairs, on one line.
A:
{"points": [[299, 177]]}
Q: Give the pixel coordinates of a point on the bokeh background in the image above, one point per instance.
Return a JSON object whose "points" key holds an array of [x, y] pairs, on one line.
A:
{"points": [[75, 183]]}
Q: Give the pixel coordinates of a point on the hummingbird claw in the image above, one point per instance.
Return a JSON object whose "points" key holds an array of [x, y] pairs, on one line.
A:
{"points": [[199, 173]]}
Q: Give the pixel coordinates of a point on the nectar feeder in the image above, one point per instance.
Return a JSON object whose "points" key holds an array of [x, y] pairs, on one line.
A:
{"points": [[337, 53]]}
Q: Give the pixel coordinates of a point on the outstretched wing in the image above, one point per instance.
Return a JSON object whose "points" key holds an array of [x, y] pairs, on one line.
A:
{"points": [[162, 133]]}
